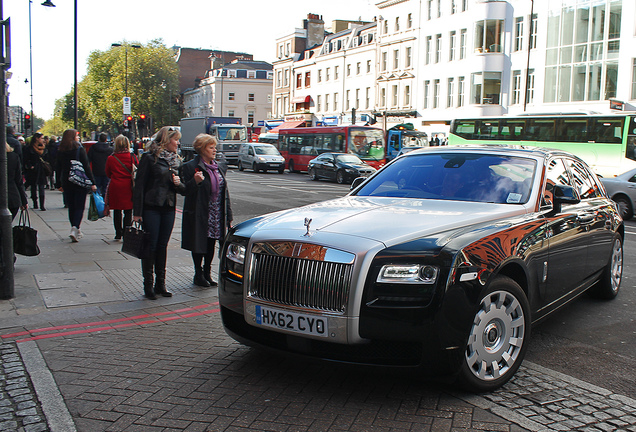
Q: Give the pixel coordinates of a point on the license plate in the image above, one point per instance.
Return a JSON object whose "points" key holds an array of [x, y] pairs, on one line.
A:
{"points": [[291, 321]]}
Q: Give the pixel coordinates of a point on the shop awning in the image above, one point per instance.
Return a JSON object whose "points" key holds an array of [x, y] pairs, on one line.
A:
{"points": [[301, 99], [287, 125]]}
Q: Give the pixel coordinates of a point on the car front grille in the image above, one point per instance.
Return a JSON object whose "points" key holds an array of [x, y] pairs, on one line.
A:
{"points": [[301, 275]]}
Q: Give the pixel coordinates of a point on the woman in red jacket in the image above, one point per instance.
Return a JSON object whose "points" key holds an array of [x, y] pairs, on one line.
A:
{"points": [[119, 169]]}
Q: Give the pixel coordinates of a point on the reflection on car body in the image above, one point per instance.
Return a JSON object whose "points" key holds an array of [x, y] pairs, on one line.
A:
{"points": [[441, 261]]}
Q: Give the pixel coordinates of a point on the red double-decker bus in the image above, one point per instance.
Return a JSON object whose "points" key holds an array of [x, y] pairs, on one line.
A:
{"points": [[300, 145]]}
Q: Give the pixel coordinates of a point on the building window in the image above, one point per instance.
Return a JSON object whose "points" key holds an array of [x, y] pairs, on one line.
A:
{"points": [[318, 103], [428, 49], [533, 31], [347, 94], [326, 102], [436, 94], [530, 92], [250, 97], [327, 74], [250, 117], [386, 27], [430, 9], [357, 98], [407, 95], [231, 96], [358, 68], [335, 101], [367, 99], [383, 97], [348, 70], [516, 87], [464, 5], [634, 78], [518, 33], [394, 96], [450, 95], [438, 48], [452, 41], [396, 59], [486, 88], [489, 35], [439, 8], [427, 90], [408, 57], [230, 113], [279, 79], [299, 80], [383, 64], [453, 7], [368, 66], [319, 77], [286, 78], [462, 43], [460, 91], [335, 72], [397, 24], [308, 79], [409, 20]]}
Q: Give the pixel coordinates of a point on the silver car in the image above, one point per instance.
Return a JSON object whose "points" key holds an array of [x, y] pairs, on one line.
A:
{"points": [[622, 189]]}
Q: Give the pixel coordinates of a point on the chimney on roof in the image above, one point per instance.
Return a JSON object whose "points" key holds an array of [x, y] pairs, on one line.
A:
{"points": [[315, 27]]}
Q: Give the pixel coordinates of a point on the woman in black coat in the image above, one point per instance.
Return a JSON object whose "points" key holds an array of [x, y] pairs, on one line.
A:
{"points": [[16, 196], [36, 176], [206, 210]]}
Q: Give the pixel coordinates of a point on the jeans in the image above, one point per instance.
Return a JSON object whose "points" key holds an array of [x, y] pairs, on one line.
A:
{"points": [[158, 222], [102, 183], [75, 199]]}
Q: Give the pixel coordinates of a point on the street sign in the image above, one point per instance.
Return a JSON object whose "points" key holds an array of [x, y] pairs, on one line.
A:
{"points": [[126, 105]]}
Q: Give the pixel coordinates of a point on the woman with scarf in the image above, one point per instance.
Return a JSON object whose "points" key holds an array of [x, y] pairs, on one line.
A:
{"points": [[206, 210], [154, 203], [34, 170]]}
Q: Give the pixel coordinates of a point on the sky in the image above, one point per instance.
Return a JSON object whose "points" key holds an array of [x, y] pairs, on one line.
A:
{"points": [[249, 26]]}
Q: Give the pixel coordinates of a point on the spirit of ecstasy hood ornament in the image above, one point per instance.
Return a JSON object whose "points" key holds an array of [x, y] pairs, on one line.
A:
{"points": [[307, 223]]}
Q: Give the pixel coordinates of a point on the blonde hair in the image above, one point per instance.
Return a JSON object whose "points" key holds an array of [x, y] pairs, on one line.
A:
{"points": [[9, 148], [122, 143], [202, 141], [164, 136]]}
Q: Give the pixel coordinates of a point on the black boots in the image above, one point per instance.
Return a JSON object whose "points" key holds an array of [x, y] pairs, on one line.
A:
{"points": [[147, 266], [207, 274], [199, 280], [161, 256], [42, 203]]}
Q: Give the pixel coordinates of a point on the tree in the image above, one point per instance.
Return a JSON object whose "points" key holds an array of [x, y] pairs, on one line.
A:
{"points": [[152, 86]]}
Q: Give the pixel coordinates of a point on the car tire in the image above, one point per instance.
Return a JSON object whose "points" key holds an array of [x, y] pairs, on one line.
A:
{"points": [[291, 166], [312, 174], [281, 170], [624, 207], [240, 166], [498, 337], [340, 177], [610, 283]]}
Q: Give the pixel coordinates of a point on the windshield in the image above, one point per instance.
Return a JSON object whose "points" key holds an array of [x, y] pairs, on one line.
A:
{"points": [[349, 159], [233, 133], [266, 150], [456, 176], [367, 143], [415, 140]]}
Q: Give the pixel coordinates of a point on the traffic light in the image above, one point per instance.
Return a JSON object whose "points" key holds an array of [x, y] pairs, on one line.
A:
{"points": [[141, 122], [27, 121]]}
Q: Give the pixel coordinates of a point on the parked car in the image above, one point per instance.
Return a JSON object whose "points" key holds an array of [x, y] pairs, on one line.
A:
{"points": [[339, 167], [622, 189], [441, 262], [260, 157]]}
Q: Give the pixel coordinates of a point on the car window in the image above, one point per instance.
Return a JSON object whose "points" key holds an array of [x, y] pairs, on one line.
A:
{"points": [[456, 176], [348, 158], [557, 174], [632, 179], [250, 151], [584, 182], [266, 150]]}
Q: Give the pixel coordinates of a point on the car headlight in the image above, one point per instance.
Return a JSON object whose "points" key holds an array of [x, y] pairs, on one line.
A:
{"points": [[408, 274], [262, 159], [236, 252]]}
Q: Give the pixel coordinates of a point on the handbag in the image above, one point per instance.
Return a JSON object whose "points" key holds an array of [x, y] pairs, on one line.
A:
{"points": [[77, 175], [46, 167], [96, 207], [136, 241], [25, 238]]}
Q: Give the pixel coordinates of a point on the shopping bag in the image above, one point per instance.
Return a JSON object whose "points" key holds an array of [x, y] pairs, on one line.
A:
{"points": [[99, 203], [93, 215], [136, 241], [25, 238], [77, 175]]}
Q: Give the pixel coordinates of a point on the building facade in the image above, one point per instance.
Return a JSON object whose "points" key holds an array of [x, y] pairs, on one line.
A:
{"points": [[242, 88], [435, 60]]}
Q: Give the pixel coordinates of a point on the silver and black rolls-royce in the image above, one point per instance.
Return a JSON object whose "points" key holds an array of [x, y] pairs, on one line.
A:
{"points": [[441, 261]]}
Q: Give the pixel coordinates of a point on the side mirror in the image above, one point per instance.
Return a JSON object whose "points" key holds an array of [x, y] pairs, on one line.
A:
{"points": [[565, 195], [357, 182]]}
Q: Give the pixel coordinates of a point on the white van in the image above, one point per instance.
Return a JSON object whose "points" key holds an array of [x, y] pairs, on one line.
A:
{"points": [[260, 156]]}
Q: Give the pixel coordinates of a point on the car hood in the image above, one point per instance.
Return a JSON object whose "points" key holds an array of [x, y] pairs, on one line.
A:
{"points": [[356, 166], [387, 220], [271, 157]]}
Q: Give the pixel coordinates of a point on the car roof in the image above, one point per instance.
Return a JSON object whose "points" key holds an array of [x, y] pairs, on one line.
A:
{"points": [[511, 150]]}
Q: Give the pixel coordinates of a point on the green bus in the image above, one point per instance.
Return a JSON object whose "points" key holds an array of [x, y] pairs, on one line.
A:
{"points": [[607, 143]]}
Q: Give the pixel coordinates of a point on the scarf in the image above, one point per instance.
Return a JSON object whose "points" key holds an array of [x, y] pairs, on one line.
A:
{"points": [[39, 149], [215, 181], [173, 159]]}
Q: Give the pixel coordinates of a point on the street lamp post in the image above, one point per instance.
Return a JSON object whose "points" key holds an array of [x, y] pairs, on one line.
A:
{"points": [[126, 62]]}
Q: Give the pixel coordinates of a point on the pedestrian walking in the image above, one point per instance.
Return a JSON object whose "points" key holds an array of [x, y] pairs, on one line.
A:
{"points": [[13, 141], [119, 169], [97, 156], [154, 203], [74, 195], [207, 213], [36, 169], [51, 154], [16, 196]]}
